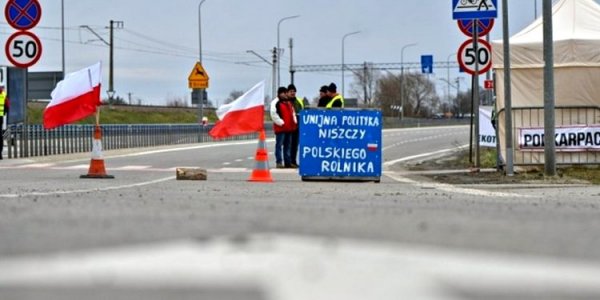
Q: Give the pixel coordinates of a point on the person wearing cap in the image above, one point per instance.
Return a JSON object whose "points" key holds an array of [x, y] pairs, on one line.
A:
{"points": [[323, 99], [3, 112], [284, 124], [336, 99], [299, 105]]}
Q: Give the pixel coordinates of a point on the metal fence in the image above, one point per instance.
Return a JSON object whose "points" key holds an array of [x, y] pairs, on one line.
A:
{"points": [[533, 117], [32, 140]]}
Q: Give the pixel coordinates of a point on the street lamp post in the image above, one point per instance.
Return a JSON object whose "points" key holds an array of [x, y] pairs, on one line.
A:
{"points": [[62, 33], [201, 92], [448, 73], [278, 47], [343, 58], [402, 79]]}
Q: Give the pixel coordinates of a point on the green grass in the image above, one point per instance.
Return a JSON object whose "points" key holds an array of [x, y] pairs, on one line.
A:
{"points": [[487, 158], [130, 116]]}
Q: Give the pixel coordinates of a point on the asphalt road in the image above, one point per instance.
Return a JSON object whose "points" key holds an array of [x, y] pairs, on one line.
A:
{"points": [[145, 235]]}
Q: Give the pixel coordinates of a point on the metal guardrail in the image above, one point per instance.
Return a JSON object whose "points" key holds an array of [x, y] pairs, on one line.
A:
{"points": [[23, 141], [32, 140]]}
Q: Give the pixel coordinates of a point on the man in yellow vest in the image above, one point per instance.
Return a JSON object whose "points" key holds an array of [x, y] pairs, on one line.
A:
{"points": [[3, 112], [336, 99]]}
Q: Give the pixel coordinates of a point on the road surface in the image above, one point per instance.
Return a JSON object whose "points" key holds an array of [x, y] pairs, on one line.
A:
{"points": [[145, 235]]}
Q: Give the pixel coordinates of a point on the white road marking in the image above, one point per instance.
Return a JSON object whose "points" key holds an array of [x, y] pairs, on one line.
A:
{"points": [[81, 191], [300, 268], [408, 158], [454, 189], [441, 186]]}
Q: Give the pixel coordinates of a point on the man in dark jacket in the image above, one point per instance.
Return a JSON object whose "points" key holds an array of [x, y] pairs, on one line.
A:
{"points": [[323, 99]]}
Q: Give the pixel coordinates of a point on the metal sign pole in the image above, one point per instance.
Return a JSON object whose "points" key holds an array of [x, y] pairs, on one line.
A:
{"points": [[475, 115]]}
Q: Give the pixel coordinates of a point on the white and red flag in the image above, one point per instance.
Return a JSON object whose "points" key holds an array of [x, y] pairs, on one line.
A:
{"points": [[75, 97], [242, 116]]}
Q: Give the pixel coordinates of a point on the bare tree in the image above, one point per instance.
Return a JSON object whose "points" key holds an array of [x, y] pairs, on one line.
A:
{"points": [[233, 95], [387, 93], [420, 96], [365, 82]]}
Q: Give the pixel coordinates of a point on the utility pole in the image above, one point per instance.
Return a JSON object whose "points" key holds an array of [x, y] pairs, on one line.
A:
{"points": [[275, 50], [365, 81], [549, 103], [508, 120], [111, 90], [292, 61], [110, 44], [129, 94]]}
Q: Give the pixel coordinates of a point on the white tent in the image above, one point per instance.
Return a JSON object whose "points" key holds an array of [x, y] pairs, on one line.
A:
{"points": [[576, 33]]}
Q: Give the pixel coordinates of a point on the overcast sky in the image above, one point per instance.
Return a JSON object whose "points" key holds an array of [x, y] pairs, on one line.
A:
{"points": [[158, 46]]}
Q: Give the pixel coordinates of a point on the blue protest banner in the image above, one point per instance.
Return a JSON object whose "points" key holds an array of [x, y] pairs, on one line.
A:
{"points": [[340, 144]]}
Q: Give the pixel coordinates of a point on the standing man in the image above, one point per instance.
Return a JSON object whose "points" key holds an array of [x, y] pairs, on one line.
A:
{"points": [[3, 112], [336, 99], [323, 99], [284, 124], [299, 105]]}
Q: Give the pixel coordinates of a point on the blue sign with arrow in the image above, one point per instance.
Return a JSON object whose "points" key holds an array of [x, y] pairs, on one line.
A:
{"points": [[427, 64], [474, 9]]}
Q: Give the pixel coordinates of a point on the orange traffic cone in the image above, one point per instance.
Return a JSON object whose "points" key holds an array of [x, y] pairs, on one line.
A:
{"points": [[97, 169], [261, 172]]}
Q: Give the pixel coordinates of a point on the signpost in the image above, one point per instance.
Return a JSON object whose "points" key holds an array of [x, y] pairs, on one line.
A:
{"points": [[484, 26], [475, 19], [427, 64], [23, 49], [475, 60], [198, 78], [474, 9], [23, 14]]}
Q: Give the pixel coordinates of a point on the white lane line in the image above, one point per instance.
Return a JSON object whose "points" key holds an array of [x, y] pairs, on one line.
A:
{"points": [[454, 189], [408, 158], [81, 191], [300, 268], [442, 186]]}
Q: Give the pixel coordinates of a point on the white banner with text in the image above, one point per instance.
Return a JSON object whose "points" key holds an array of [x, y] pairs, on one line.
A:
{"points": [[572, 138]]}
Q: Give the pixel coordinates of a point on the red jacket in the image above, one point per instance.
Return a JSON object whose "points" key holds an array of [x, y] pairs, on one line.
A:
{"points": [[284, 117]]}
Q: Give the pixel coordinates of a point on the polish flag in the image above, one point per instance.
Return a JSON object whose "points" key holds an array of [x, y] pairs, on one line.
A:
{"points": [[74, 98], [242, 116]]}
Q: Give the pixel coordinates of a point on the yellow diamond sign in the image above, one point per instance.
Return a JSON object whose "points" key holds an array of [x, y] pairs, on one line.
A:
{"points": [[198, 78]]}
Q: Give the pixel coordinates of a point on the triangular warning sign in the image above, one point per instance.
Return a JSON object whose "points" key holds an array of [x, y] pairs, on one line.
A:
{"points": [[475, 6], [198, 73]]}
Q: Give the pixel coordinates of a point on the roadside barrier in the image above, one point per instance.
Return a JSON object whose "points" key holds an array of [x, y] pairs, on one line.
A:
{"points": [[23, 141]]}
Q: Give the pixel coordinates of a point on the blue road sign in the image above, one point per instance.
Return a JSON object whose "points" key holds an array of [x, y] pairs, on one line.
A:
{"points": [[474, 9], [484, 26], [23, 14], [340, 144], [426, 64]]}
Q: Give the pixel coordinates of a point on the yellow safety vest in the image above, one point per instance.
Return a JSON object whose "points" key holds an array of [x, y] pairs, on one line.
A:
{"points": [[336, 98], [2, 101], [300, 101]]}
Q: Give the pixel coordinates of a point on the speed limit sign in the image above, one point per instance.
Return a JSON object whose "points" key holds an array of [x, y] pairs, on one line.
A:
{"points": [[23, 49], [467, 56]]}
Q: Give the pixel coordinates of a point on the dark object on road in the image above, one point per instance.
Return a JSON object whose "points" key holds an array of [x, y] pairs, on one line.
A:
{"points": [[191, 174]]}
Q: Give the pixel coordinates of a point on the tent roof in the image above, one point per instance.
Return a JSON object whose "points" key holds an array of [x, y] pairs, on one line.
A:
{"points": [[572, 20]]}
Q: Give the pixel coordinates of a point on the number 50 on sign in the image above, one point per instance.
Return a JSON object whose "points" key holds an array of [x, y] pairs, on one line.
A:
{"points": [[467, 56], [23, 49]]}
